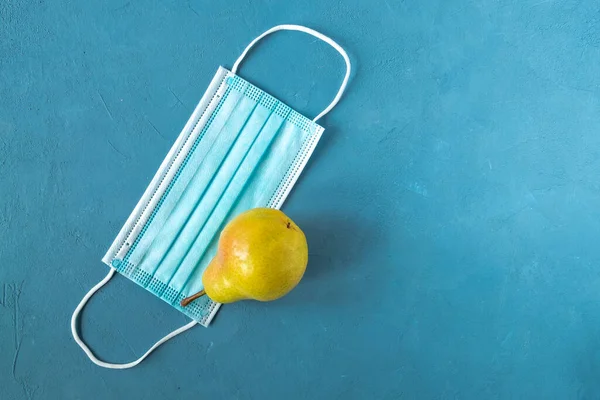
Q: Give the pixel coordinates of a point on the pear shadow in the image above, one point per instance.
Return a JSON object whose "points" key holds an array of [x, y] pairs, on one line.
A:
{"points": [[336, 244], [338, 249], [338, 260]]}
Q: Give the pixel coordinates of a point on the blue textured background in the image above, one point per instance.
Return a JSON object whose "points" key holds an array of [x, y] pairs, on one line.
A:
{"points": [[451, 208]]}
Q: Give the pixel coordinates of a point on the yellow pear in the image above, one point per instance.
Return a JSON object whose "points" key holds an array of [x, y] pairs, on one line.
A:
{"points": [[262, 255]]}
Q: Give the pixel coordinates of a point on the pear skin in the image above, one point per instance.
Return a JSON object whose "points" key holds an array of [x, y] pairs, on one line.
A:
{"points": [[262, 255]]}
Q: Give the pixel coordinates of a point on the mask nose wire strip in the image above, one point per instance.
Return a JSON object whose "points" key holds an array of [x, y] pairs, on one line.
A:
{"points": [[87, 350], [316, 34]]}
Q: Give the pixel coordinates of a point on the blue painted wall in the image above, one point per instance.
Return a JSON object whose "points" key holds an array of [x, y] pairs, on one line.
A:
{"points": [[452, 207]]}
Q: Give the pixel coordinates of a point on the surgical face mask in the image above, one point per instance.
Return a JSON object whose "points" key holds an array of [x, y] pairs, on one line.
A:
{"points": [[241, 148]]}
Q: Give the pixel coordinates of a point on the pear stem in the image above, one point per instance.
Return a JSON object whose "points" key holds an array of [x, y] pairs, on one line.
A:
{"points": [[193, 297]]}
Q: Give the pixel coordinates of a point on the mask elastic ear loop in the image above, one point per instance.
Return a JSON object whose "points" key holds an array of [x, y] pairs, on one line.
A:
{"points": [[316, 34], [87, 350]]}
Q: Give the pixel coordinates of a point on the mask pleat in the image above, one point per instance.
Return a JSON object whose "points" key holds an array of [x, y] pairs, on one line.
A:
{"points": [[182, 224], [258, 192], [222, 209], [171, 262], [180, 183]]}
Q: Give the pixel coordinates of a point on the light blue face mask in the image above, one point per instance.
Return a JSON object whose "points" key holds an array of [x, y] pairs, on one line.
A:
{"points": [[241, 148]]}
